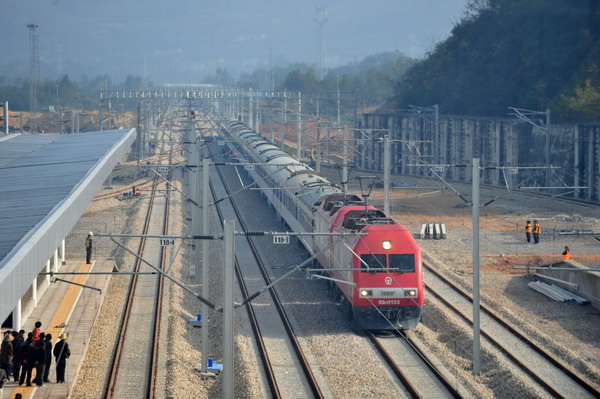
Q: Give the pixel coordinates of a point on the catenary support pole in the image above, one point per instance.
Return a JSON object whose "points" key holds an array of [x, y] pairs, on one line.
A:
{"points": [[547, 149], [197, 215], [476, 332], [228, 302], [386, 175], [205, 263], [345, 161], [299, 128]]}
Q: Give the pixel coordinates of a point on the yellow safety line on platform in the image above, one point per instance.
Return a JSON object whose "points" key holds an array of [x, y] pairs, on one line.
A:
{"points": [[61, 317]]}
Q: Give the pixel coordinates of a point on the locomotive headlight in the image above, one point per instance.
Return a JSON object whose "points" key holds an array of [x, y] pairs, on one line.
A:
{"points": [[410, 293], [387, 245], [366, 293]]}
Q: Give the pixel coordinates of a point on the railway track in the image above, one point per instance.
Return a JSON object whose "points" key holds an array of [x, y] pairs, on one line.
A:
{"points": [[287, 369], [420, 374], [559, 379], [134, 361]]}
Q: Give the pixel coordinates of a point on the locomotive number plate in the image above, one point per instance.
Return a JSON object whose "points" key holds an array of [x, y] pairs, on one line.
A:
{"points": [[281, 239], [388, 302]]}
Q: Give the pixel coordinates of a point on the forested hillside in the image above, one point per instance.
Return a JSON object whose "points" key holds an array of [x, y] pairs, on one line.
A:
{"points": [[533, 54]]}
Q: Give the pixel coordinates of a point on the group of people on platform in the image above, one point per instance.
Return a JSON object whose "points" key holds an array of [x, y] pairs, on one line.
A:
{"points": [[536, 230], [20, 355]]}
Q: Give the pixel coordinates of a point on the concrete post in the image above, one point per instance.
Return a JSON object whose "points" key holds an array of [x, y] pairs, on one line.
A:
{"points": [[48, 270], [205, 261], [386, 175], [228, 302], [62, 250], [476, 328], [196, 214], [56, 260], [34, 291], [547, 145], [17, 316]]}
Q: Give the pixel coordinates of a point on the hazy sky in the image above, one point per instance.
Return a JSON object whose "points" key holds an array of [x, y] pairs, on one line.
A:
{"points": [[180, 41]]}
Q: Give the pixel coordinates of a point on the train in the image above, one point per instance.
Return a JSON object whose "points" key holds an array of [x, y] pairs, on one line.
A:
{"points": [[375, 270]]}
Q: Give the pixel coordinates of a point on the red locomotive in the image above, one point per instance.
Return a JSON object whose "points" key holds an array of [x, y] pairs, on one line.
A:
{"points": [[377, 276]]}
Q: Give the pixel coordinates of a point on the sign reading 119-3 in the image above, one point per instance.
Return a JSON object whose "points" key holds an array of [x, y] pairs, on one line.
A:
{"points": [[166, 243]]}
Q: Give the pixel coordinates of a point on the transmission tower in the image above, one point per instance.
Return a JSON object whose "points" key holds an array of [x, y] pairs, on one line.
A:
{"points": [[34, 73], [321, 20]]}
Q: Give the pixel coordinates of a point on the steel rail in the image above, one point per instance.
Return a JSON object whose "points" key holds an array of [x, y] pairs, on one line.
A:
{"points": [[488, 311], [404, 378], [311, 378], [130, 295], [159, 300]]}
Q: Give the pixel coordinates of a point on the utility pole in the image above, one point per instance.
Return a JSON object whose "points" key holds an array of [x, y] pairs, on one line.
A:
{"points": [[284, 121], [345, 161], [299, 128]]}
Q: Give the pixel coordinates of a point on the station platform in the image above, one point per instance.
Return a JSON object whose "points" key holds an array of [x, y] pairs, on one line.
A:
{"points": [[70, 309]]}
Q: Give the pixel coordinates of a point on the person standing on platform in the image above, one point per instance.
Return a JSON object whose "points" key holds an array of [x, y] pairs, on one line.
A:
{"points": [[536, 232], [18, 343], [48, 362], [528, 230], [37, 331], [6, 353], [61, 354], [27, 361], [88, 247], [40, 361]]}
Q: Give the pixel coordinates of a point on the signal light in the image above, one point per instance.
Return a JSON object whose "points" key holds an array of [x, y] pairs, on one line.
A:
{"points": [[192, 115]]}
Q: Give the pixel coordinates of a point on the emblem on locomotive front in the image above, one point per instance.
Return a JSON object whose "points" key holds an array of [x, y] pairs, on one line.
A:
{"points": [[388, 280]]}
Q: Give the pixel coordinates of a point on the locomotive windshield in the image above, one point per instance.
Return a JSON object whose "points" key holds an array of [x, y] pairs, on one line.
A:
{"points": [[405, 263], [372, 262]]}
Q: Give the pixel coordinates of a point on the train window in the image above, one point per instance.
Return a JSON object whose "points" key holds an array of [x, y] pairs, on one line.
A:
{"points": [[372, 263], [404, 262]]}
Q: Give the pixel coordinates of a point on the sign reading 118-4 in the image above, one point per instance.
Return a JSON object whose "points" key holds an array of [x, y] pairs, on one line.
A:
{"points": [[166, 243]]}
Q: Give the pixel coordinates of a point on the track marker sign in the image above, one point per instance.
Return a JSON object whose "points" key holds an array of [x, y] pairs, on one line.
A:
{"points": [[281, 239]]}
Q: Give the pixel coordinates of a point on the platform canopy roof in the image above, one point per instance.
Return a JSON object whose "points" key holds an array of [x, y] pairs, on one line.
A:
{"points": [[46, 183]]}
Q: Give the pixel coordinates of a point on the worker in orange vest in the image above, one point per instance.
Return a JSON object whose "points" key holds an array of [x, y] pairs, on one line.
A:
{"points": [[528, 230], [566, 254], [536, 232], [137, 192]]}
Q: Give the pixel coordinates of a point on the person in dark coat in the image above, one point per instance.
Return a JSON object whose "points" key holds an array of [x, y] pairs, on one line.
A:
{"points": [[40, 361], [48, 362], [27, 361], [18, 343], [6, 353], [89, 246], [61, 354]]}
